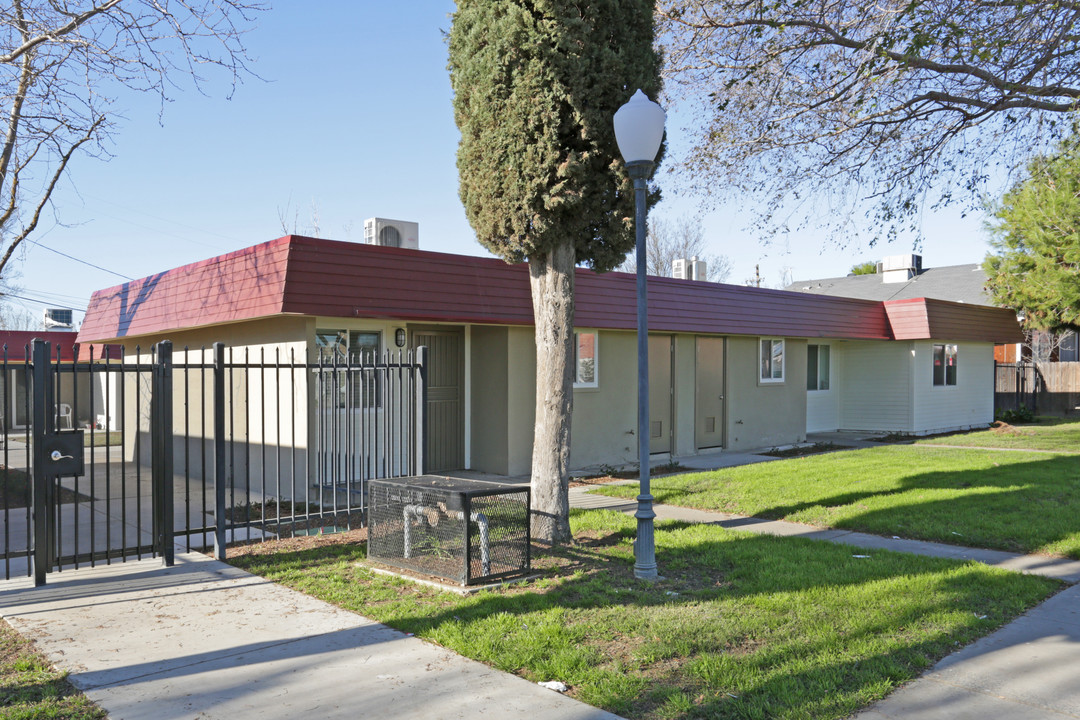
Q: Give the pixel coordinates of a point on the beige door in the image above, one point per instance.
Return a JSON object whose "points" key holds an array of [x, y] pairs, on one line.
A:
{"points": [[709, 393], [660, 384], [446, 396]]}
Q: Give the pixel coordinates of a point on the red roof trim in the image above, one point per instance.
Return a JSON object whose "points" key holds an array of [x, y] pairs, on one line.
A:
{"points": [[929, 318], [312, 277]]}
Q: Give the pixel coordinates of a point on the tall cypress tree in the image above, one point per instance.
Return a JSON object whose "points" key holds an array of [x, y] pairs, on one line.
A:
{"points": [[536, 83]]}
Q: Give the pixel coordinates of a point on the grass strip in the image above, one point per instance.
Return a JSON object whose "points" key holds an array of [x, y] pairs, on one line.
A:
{"points": [[1054, 434], [30, 689], [743, 626], [1014, 501]]}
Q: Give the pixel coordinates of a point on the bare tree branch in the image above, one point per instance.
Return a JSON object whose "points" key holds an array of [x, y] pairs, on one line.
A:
{"points": [[846, 107], [63, 64]]}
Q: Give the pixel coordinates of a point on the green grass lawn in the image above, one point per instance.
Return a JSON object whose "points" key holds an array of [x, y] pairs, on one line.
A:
{"points": [[1021, 502], [1056, 434], [30, 689], [743, 626]]}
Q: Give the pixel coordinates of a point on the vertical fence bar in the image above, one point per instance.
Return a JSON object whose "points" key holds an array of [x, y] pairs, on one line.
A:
{"points": [[27, 375], [421, 409], [107, 356], [42, 509], [4, 425], [219, 450], [93, 452], [162, 417], [203, 463], [187, 449]]}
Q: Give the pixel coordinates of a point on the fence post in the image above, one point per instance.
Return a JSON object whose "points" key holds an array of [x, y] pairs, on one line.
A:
{"points": [[161, 413], [42, 422], [421, 409], [219, 450]]}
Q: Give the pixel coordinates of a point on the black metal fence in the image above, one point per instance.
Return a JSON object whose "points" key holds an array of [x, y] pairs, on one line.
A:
{"points": [[111, 455]]}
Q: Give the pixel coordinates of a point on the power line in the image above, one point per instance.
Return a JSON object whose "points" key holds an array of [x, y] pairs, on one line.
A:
{"points": [[84, 262], [41, 302]]}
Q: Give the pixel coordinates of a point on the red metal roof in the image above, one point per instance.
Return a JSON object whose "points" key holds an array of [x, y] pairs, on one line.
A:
{"points": [[307, 276], [240, 285], [927, 318], [15, 344]]}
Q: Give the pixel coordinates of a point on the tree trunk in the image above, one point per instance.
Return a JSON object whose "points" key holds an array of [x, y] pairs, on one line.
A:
{"points": [[552, 280]]}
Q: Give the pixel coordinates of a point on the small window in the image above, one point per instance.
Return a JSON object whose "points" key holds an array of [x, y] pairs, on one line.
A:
{"points": [[342, 354], [772, 360], [944, 365], [585, 360], [817, 367]]}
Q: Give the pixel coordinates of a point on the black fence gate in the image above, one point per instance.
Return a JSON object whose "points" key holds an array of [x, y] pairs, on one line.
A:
{"points": [[111, 456]]}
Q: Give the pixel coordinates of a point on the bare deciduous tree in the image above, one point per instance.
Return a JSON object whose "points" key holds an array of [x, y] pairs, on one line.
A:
{"points": [[670, 240], [65, 62], [843, 107]]}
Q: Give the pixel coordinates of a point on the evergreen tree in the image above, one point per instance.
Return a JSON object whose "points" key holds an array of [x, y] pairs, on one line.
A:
{"points": [[536, 84], [1036, 268]]}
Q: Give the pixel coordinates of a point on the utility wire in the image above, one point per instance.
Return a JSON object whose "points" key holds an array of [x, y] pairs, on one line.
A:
{"points": [[84, 262], [41, 302]]}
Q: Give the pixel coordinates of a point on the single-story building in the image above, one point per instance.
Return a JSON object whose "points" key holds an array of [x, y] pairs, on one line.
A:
{"points": [[731, 367], [901, 277], [80, 402]]}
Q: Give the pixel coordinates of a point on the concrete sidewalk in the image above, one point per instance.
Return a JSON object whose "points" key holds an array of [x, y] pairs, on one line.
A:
{"points": [[1024, 671], [206, 640]]}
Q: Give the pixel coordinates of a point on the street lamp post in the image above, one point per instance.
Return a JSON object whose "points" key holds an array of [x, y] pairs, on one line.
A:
{"points": [[639, 130]]}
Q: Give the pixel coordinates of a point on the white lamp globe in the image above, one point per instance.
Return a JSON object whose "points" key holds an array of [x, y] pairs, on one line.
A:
{"points": [[639, 129]]}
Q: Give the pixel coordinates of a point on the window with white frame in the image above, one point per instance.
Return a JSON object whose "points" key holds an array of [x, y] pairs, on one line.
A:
{"points": [[585, 360], [944, 365], [771, 360], [342, 353], [817, 367]]}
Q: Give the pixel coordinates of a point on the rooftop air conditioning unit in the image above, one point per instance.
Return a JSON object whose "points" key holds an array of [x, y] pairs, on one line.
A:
{"points": [[392, 233], [692, 269], [58, 319]]}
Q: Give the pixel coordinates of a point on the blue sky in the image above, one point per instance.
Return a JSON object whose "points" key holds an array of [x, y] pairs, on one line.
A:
{"points": [[352, 119]]}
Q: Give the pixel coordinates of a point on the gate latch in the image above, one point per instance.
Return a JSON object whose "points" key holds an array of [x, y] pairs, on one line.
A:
{"points": [[64, 453]]}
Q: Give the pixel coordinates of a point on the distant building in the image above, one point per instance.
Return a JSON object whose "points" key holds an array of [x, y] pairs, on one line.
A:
{"points": [[901, 277]]}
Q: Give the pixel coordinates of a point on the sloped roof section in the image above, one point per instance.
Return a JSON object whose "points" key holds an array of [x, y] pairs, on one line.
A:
{"points": [[240, 285], [927, 318], [307, 276], [958, 283]]}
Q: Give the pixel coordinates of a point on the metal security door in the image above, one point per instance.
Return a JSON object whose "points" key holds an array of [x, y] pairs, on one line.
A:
{"points": [[445, 397]]}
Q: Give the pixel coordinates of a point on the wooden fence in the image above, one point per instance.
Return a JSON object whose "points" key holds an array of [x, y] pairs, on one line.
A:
{"points": [[1046, 388]]}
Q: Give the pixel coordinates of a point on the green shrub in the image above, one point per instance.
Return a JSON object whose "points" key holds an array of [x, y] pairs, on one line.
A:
{"points": [[1018, 416]]}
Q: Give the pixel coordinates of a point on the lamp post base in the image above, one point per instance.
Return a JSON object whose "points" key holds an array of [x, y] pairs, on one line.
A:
{"points": [[645, 542]]}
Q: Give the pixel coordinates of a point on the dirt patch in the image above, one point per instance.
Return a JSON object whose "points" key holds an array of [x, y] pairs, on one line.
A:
{"points": [[298, 543], [608, 475], [815, 449], [1003, 428]]}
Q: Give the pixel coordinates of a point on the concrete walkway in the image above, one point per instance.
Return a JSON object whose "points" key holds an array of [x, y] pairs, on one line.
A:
{"points": [[206, 640], [1024, 671]]}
